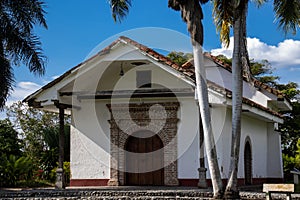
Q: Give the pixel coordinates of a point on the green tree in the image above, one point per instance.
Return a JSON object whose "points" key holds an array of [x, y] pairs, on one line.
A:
{"points": [[9, 146], [261, 70], [18, 43], [180, 57], [31, 123], [290, 90], [49, 155], [9, 141], [233, 14], [290, 129], [14, 169], [39, 131]]}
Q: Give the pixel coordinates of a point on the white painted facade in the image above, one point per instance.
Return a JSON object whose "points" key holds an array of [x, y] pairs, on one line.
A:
{"points": [[90, 130]]}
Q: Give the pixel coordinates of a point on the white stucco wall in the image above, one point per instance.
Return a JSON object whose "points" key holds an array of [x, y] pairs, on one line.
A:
{"points": [[223, 78], [266, 155], [256, 130], [90, 142], [188, 139], [274, 161]]}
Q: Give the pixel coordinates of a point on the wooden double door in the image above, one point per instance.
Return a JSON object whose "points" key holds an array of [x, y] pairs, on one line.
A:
{"points": [[144, 159]]}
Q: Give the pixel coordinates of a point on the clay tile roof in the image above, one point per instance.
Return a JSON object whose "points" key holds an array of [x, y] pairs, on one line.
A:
{"points": [[187, 69], [256, 82], [161, 58], [228, 94]]}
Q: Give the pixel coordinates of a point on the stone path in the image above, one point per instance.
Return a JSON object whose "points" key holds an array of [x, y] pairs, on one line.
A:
{"points": [[123, 193]]}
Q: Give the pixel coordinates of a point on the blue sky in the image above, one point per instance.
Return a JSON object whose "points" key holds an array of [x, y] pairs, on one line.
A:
{"points": [[76, 27]]}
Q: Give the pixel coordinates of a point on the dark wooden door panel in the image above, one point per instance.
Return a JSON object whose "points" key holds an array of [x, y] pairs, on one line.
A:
{"points": [[146, 167]]}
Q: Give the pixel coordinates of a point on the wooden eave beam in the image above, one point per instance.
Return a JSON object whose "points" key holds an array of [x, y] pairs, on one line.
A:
{"points": [[140, 93]]}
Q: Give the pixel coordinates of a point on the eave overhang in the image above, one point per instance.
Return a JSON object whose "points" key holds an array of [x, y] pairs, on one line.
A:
{"points": [[281, 104]]}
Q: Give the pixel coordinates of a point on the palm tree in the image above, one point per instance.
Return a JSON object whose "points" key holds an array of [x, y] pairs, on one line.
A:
{"points": [[18, 43], [119, 9], [234, 13], [191, 13]]}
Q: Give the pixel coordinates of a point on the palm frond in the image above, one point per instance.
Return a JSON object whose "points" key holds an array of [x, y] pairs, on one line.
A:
{"points": [[174, 4], [25, 13], [223, 19], [119, 9], [203, 1], [259, 3], [21, 47], [6, 78], [287, 13], [18, 43]]}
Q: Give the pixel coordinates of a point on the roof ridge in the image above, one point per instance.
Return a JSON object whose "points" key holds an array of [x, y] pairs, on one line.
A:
{"points": [[161, 58], [255, 81]]}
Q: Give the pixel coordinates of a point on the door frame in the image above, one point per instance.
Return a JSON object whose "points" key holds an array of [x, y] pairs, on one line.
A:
{"points": [[140, 113]]}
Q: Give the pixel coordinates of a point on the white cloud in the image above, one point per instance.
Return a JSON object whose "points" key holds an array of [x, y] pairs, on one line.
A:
{"points": [[284, 54], [46, 80], [55, 77], [21, 90]]}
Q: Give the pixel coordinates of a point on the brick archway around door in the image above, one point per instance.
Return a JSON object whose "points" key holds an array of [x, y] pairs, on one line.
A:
{"points": [[126, 119]]}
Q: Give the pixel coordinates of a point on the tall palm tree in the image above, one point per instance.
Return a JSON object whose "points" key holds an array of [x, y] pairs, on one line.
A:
{"points": [[191, 13], [234, 13], [18, 43]]}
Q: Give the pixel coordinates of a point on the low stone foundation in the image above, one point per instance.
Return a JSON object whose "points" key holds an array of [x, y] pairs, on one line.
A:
{"points": [[134, 193], [182, 182]]}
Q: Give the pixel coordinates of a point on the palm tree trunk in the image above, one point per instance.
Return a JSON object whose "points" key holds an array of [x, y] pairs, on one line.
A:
{"points": [[239, 62], [191, 13], [210, 147]]}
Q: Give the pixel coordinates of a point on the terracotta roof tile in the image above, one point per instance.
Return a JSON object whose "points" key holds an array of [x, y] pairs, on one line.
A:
{"points": [[186, 69], [256, 82], [228, 94]]}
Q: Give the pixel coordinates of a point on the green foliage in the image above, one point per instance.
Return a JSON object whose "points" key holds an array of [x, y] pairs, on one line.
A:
{"points": [[9, 142], [290, 90], [179, 57], [224, 59], [261, 70], [9, 154], [291, 161], [290, 130], [67, 172], [33, 183], [18, 43], [31, 123], [287, 13], [119, 9], [50, 156], [13, 169], [39, 131]]}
